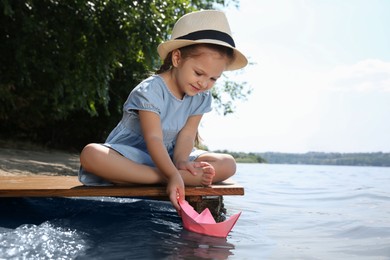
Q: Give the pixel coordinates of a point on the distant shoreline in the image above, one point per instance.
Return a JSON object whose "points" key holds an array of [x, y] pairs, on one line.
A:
{"points": [[379, 159]]}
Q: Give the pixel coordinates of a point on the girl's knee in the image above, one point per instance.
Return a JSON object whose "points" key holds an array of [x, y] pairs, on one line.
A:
{"points": [[225, 166], [229, 164], [89, 155]]}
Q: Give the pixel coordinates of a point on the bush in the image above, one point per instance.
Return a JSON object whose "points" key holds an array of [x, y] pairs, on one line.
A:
{"points": [[66, 67]]}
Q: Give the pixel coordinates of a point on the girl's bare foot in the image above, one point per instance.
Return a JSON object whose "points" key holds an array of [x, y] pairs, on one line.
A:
{"points": [[204, 174], [208, 175]]}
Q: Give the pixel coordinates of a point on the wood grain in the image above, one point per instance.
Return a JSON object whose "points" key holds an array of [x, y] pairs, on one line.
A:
{"points": [[69, 186]]}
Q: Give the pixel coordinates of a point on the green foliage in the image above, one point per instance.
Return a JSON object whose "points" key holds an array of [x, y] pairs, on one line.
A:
{"points": [[227, 93], [66, 67], [242, 157]]}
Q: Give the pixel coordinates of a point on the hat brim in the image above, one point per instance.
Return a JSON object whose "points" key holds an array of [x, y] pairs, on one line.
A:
{"points": [[239, 60]]}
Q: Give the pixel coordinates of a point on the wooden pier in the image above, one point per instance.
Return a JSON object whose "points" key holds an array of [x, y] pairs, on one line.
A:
{"points": [[69, 186]]}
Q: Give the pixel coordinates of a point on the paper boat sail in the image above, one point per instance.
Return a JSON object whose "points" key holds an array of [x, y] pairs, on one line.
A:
{"points": [[204, 222]]}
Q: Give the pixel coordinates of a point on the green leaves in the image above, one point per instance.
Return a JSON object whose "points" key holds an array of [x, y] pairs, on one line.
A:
{"points": [[226, 92], [67, 63]]}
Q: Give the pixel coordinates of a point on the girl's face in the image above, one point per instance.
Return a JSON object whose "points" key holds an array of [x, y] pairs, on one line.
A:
{"points": [[196, 73]]}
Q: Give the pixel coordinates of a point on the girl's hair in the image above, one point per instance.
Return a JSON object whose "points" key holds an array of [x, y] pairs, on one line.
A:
{"points": [[198, 140], [190, 50]]}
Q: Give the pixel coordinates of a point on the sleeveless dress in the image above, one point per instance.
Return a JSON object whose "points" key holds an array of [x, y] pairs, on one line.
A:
{"points": [[153, 95]]}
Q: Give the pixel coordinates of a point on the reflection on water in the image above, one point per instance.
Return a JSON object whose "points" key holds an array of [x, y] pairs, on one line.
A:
{"points": [[188, 245], [100, 229], [300, 212]]}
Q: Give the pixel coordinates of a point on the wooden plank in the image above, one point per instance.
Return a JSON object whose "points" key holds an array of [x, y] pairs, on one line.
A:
{"points": [[69, 186]]}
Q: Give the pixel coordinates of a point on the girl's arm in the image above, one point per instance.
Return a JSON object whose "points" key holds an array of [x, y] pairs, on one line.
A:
{"points": [[183, 147], [185, 143], [152, 132]]}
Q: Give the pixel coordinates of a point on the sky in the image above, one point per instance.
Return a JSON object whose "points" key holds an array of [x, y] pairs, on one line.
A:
{"points": [[320, 78]]}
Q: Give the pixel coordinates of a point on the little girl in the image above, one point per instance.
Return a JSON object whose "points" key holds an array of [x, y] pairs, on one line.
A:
{"points": [[154, 141]]}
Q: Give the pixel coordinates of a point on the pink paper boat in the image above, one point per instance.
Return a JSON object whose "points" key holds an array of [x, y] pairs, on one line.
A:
{"points": [[204, 222]]}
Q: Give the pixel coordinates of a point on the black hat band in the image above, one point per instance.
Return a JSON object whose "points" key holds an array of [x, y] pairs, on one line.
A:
{"points": [[208, 34]]}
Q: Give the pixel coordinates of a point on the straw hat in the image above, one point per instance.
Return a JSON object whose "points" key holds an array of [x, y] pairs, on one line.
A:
{"points": [[209, 26]]}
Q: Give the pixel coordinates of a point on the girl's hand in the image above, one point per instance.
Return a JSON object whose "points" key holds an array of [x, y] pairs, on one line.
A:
{"points": [[192, 167], [175, 190]]}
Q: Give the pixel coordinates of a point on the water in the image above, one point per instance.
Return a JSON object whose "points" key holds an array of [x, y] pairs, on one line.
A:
{"points": [[288, 212]]}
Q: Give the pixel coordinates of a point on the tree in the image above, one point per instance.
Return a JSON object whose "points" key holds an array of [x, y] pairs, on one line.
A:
{"points": [[66, 67]]}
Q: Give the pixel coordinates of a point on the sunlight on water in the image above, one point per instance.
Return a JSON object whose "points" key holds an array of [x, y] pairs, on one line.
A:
{"points": [[41, 242]]}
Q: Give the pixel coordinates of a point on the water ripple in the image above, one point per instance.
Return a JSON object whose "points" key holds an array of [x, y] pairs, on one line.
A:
{"points": [[44, 241]]}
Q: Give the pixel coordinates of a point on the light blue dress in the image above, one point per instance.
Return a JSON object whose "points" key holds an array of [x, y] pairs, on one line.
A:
{"points": [[151, 95]]}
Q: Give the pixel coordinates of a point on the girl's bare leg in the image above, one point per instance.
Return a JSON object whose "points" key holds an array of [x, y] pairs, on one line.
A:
{"points": [[110, 165]]}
